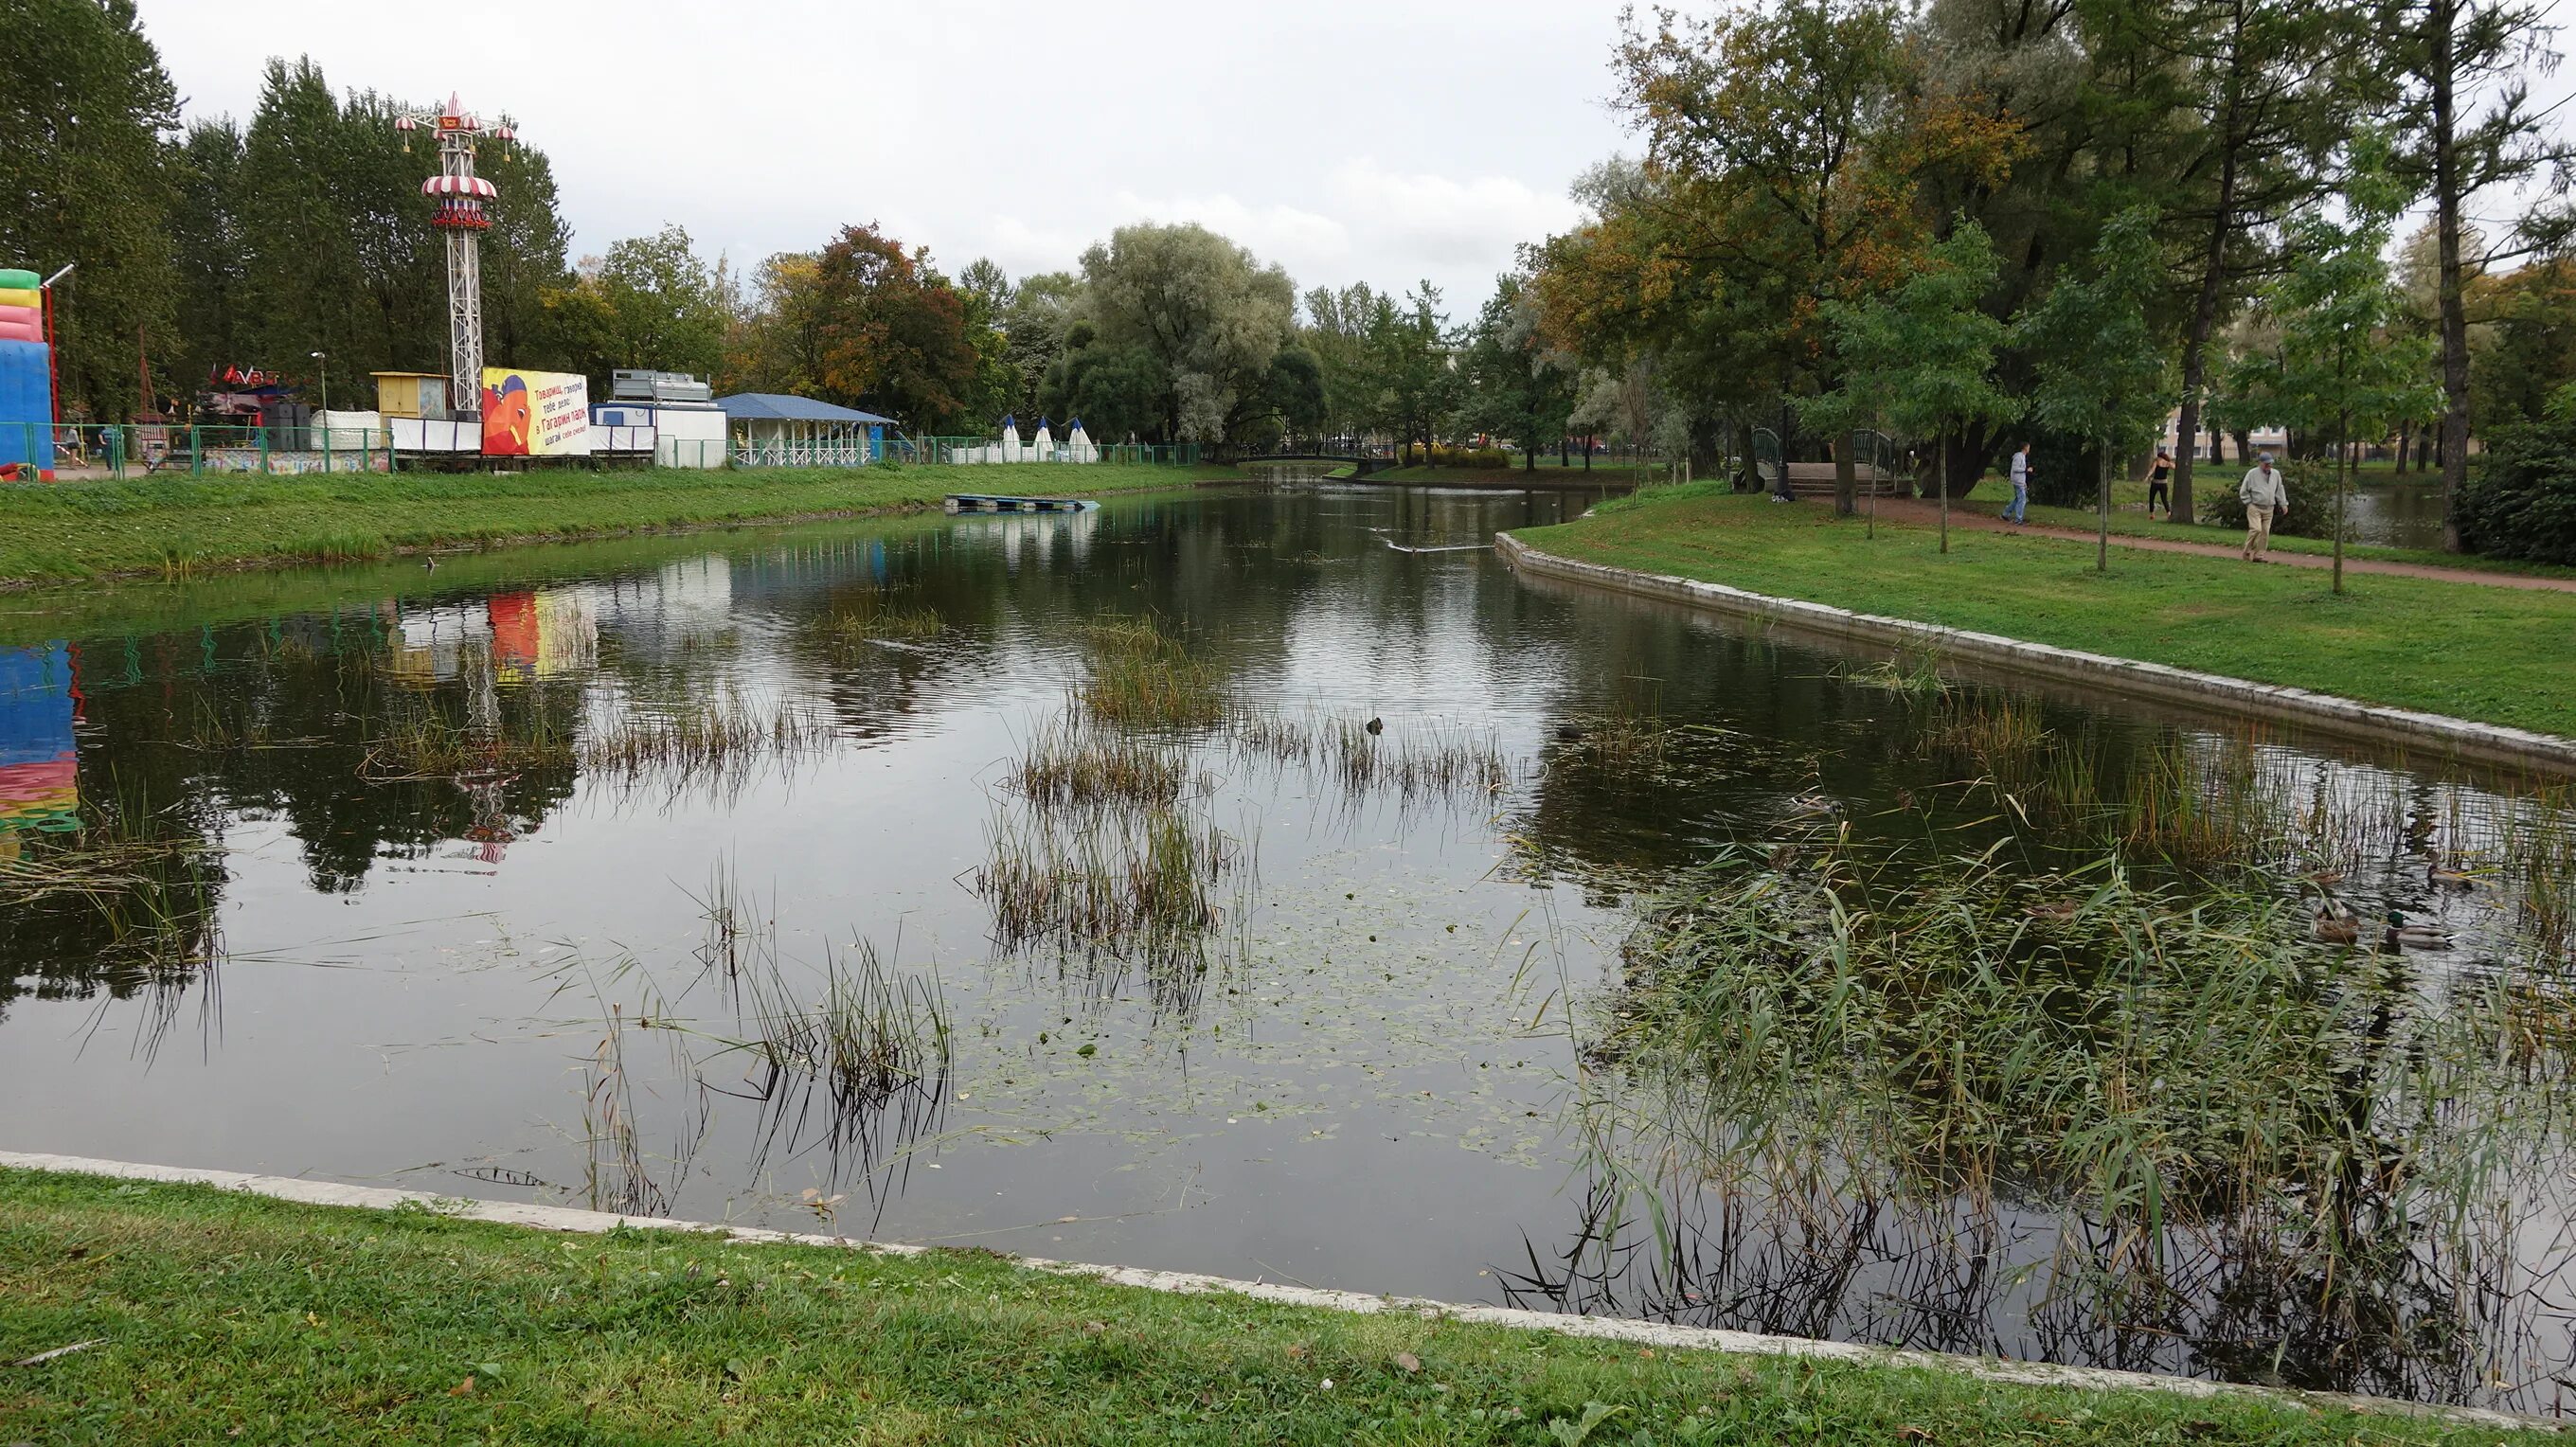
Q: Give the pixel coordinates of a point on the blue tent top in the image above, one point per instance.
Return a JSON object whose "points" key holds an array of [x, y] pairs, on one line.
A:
{"points": [[780, 407]]}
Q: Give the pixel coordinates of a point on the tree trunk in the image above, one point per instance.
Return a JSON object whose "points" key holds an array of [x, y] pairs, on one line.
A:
{"points": [[1529, 460], [1704, 450], [2343, 424], [2213, 276], [1846, 484], [1941, 466], [1587, 452], [2102, 545], [2439, 19]]}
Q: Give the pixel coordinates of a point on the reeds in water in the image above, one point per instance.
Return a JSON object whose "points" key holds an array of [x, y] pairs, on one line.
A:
{"points": [[721, 738], [1069, 764], [1138, 676], [2200, 1091], [422, 743], [1116, 883], [1422, 759], [879, 615]]}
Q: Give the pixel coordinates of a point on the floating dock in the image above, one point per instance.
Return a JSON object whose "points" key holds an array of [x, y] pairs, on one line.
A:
{"points": [[986, 502]]}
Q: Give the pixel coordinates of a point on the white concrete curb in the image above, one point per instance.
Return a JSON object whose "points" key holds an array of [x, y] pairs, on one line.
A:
{"points": [[1654, 1334], [2483, 743]]}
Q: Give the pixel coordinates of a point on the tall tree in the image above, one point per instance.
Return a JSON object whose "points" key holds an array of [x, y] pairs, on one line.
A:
{"points": [[2346, 369], [1926, 352], [1515, 384], [2466, 126], [1411, 352], [2271, 87], [892, 334], [2103, 372], [206, 245], [651, 302], [1211, 318], [88, 114]]}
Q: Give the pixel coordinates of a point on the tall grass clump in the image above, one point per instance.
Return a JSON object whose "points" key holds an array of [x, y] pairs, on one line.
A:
{"points": [[1132, 882], [879, 614], [1070, 764], [420, 741], [1138, 676], [1625, 740], [1410, 761], [2214, 1109], [712, 738]]}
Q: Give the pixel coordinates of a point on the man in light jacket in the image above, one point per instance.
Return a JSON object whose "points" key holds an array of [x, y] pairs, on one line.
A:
{"points": [[2017, 509], [2263, 492]]}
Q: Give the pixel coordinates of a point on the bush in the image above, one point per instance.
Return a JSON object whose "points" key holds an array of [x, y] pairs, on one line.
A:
{"points": [[1446, 456], [2214, 500], [2521, 501]]}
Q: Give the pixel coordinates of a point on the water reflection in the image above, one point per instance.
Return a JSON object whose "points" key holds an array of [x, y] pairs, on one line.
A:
{"points": [[471, 849]]}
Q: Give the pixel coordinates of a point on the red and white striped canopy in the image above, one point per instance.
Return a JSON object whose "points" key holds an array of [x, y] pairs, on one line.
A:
{"points": [[457, 186]]}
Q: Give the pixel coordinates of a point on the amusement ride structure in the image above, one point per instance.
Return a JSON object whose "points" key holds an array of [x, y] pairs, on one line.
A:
{"points": [[460, 195]]}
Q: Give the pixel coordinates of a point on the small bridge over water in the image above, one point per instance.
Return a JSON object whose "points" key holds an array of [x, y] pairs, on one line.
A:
{"points": [[1360, 463]]}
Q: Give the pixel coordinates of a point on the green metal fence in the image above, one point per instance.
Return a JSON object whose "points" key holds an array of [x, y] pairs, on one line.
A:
{"points": [[121, 450]]}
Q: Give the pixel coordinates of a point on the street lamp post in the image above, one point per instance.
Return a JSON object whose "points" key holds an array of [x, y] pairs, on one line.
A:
{"points": [[325, 359]]}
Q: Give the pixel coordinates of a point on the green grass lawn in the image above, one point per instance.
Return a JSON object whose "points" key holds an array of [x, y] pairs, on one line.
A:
{"points": [[2494, 654], [229, 1318], [171, 526]]}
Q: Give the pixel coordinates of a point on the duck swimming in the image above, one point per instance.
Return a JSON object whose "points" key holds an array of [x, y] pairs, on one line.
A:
{"points": [[2402, 935]]}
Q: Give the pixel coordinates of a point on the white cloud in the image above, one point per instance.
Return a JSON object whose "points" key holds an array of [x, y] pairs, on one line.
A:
{"points": [[1447, 224], [1347, 140]]}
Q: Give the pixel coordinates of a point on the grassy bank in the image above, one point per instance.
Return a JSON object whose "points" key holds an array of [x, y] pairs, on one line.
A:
{"points": [[2493, 654], [231, 1318], [173, 526]]}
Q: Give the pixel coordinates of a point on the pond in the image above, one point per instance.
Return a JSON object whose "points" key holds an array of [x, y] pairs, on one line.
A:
{"points": [[1265, 881]]}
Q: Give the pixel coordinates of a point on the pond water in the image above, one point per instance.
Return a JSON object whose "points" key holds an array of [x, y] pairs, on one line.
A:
{"points": [[533, 876]]}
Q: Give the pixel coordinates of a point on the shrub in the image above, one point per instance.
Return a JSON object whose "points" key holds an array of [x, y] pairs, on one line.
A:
{"points": [[2521, 501], [1447, 456]]}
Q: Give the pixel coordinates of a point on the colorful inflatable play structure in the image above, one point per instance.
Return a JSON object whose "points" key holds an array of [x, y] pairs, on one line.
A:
{"points": [[26, 375]]}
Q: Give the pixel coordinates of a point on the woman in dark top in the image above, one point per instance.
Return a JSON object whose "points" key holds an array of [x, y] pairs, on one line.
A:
{"points": [[2157, 490]]}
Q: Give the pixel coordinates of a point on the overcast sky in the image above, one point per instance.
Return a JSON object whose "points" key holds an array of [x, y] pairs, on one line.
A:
{"points": [[1386, 141], [1383, 142]]}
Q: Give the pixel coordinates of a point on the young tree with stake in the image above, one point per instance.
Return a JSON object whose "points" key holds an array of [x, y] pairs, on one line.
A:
{"points": [[2344, 363], [1927, 353], [2103, 374]]}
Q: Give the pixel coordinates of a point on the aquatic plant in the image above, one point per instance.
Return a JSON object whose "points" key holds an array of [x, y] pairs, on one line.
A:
{"points": [[877, 615], [1427, 757], [1138, 676], [1623, 740], [2197, 1091], [1068, 764], [421, 742], [702, 739], [1139, 881]]}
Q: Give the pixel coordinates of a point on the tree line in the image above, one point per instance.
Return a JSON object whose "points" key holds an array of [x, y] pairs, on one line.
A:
{"points": [[256, 243], [1807, 159]]}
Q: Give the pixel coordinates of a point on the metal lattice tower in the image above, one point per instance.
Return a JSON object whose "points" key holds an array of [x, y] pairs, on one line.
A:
{"points": [[461, 196]]}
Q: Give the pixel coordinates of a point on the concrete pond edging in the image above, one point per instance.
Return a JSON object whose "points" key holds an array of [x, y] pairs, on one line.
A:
{"points": [[1645, 1333], [2494, 744]]}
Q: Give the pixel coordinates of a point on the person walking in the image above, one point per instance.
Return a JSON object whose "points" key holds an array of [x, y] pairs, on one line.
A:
{"points": [[2158, 488], [2016, 511], [2265, 496]]}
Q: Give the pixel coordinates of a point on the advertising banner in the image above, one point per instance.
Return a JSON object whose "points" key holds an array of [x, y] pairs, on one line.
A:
{"points": [[535, 414]]}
